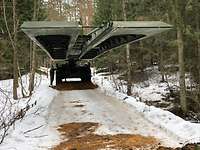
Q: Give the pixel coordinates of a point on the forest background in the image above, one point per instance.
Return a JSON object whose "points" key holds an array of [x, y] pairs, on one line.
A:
{"points": [[176, 51]]}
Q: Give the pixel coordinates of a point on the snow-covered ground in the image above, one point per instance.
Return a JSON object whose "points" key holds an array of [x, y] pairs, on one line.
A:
{"points": [[32, 132], [185, 131], [114, 116], [37, 130]]}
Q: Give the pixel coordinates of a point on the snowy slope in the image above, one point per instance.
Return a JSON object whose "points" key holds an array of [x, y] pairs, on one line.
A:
{"points": [[32, 131], [37, 130], [185, 131]]}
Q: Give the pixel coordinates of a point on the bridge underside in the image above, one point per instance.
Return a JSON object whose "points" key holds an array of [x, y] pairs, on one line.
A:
{"points": [[66, 40], [56, 45], [110, 43]]}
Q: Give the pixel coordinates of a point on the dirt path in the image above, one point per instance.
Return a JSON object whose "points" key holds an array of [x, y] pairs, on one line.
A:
{"points": [[111, 116], [81, 136]]}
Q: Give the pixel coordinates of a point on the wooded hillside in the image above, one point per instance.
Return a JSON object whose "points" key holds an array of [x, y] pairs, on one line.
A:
{"points": [[176, 51]]}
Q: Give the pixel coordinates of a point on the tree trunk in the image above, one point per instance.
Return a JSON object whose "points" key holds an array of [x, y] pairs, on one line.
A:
{"points": [[60, 7], [128, 60], [197, 9], [13, 42], [198, 42], [32, 73], [141, 56], [21, 82], [161, 63], [180, 44], [129, 83], [15, 69], [161, 66], [32, 56]]}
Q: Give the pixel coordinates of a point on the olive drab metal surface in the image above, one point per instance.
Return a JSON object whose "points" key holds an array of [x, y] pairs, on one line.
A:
{"points": [[65, 40]]}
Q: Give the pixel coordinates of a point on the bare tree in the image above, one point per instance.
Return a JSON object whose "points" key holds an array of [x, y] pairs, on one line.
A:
{"points": [[128, 60], [141, 56], [32, 54], [60, 5], [197, 20], [180, 43], [161, 63], [13, 43], [10, 113]]}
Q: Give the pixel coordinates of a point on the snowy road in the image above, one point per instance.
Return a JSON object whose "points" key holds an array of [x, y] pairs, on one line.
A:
{"points": [[113, 115]]}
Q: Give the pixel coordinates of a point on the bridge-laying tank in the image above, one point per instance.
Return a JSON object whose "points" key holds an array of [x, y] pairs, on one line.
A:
{"points": [[66, 43]]}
